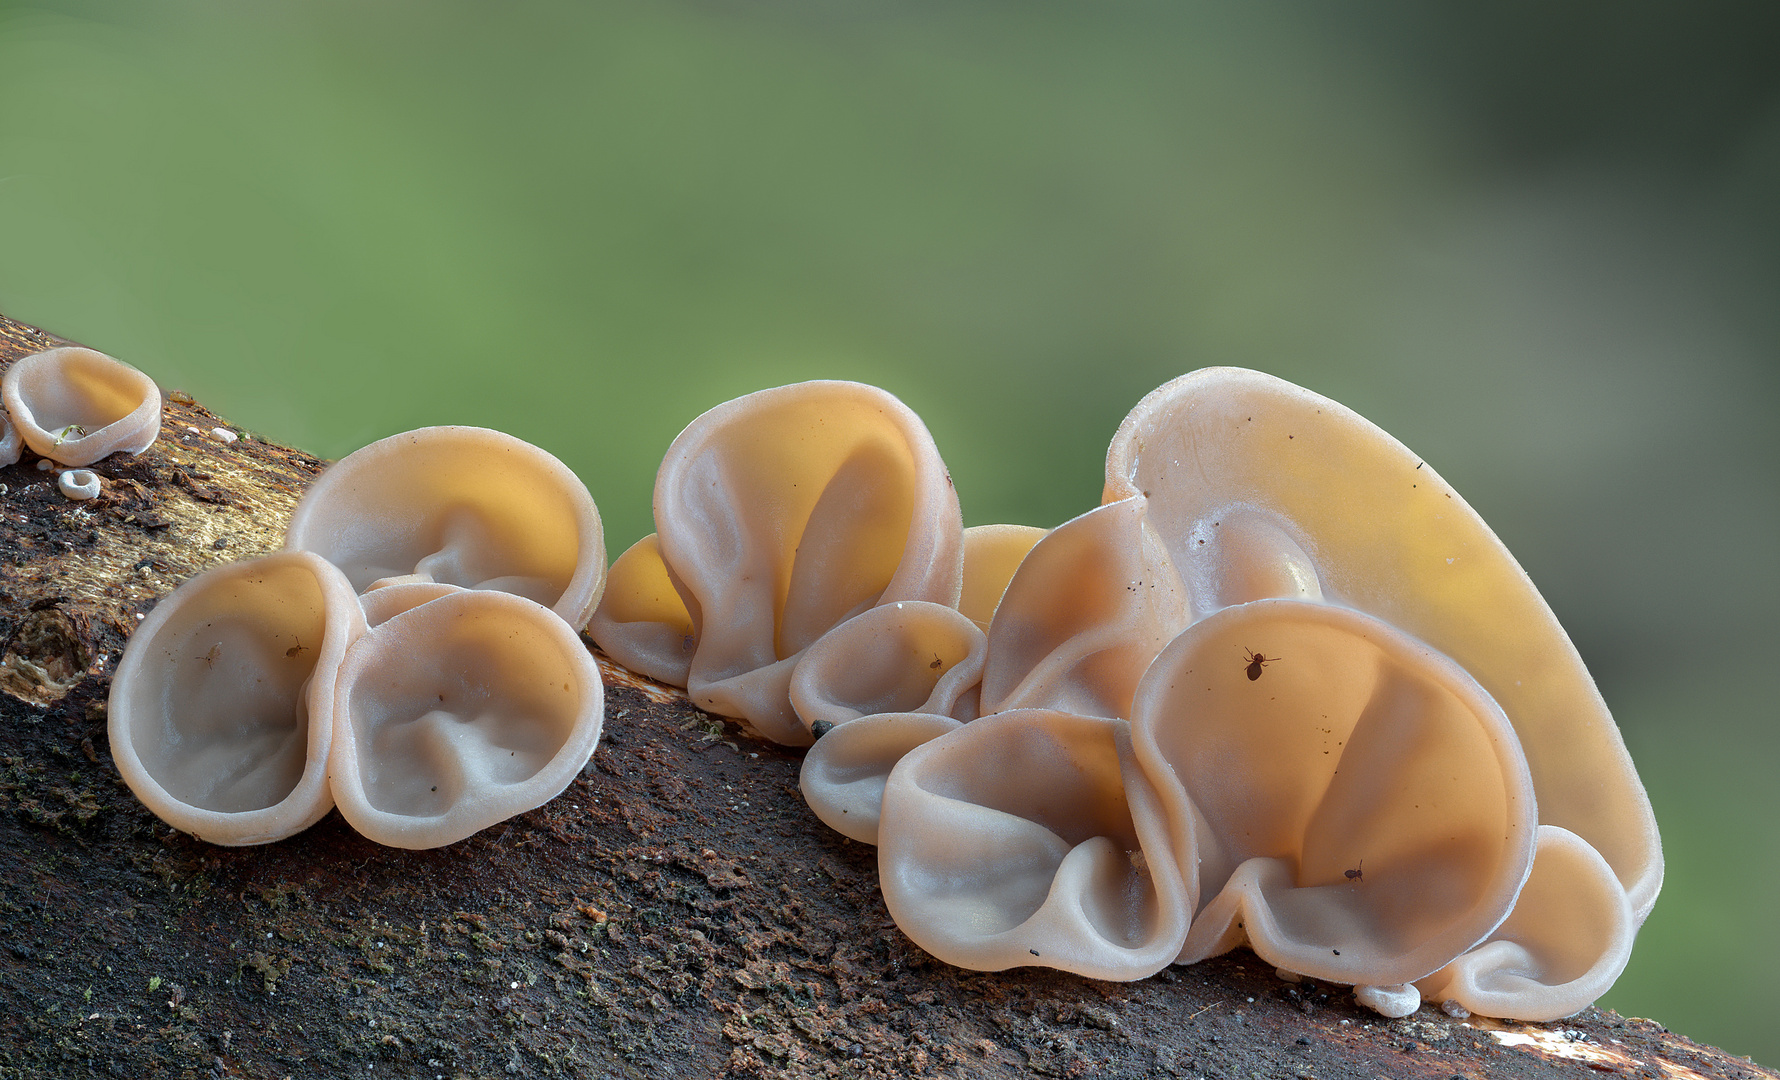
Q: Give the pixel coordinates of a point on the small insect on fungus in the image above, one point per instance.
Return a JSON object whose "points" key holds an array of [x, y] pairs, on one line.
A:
{"points": [[296, 649], [1358, 873], [1256, 661], [209, 658], [936, 662]]}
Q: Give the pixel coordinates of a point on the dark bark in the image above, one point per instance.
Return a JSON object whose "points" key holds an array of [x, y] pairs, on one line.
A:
{"points": [[676, 912]]}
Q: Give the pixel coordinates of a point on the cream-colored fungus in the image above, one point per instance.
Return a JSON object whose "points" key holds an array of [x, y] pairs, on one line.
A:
{"points": [[1353, 742], [220, 715], [991, 555], [907, 656], [1330, 505], [778, 516], [843, 774], [1360, 812], [78, 484], [11, 445], [1567, 940], [1092, 603], [1018, 839], [458, 713], [1396, 1000], [387, 601], [76, 406], [641, 622], [463, 506]]}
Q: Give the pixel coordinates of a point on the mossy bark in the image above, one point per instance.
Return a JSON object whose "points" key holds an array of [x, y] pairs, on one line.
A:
{"points": [[677, 912]]}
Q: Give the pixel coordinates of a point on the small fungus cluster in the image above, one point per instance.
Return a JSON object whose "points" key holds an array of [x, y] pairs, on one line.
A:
{"points": [[73, 406], [411, 656], [1282, 688]]}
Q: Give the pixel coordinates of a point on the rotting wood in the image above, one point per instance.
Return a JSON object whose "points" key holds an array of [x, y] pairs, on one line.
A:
{"points": [[677, 912]]}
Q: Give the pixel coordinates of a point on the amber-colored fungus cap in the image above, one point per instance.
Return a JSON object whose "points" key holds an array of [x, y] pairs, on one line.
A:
{"points": [[1090, 606], [778, 516], [1329, 505], [1359, 812], [460, 506]]}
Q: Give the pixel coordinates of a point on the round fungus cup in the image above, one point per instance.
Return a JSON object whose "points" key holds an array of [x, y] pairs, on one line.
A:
{"points": [[1259, 488], [79, 485], [1357, 807], [779, 516], [221, 709], [1022, 839], [462, 506], [76, 406], [458, 713]]}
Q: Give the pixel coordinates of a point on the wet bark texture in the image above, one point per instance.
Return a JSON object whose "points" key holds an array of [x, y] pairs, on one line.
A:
{"points": [[677, 912]]}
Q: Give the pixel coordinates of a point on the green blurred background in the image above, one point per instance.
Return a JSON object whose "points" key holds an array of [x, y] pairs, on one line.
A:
{"points": [[1538, 243]]}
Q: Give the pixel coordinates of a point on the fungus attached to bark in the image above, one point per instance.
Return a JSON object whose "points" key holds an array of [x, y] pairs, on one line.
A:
{"points": [[1322, 503], [641, 621], [1361, 814], [1367, 716], [778, 516], [462, 506], [458, 713], [11, 445], [76, 406], [221, 709], [1567, 940], [78, 484], [1021, 839]]}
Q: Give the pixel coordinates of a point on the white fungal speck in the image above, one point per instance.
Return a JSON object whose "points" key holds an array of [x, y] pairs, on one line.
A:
{"points": [[223, 434], [44, 465], [79, 484]]}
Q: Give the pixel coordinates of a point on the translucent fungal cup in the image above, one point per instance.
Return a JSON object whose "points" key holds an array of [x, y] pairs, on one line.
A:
{"points": [[220, 712], [77, 406], [458, 713]]}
